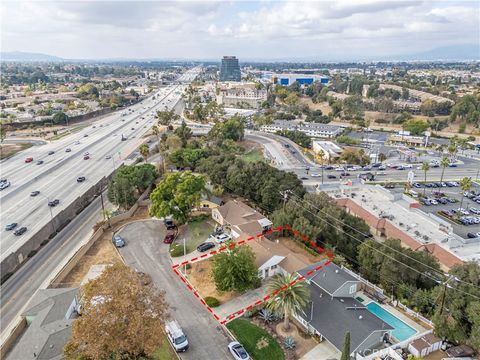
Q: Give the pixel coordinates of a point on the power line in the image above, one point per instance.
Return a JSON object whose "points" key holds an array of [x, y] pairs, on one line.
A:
{"points": [[388, 256], [389, 247]]}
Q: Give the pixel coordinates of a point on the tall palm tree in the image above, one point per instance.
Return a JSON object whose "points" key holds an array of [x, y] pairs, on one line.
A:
{"points": [[425, 168], [321, 156], [382, 157], [465, 185], [291, 300], [444, 163], [144, 151]]}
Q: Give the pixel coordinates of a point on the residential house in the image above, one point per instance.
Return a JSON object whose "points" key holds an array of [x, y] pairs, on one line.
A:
{"points": [[333, 310], [272, 258], [425, 345], [210, 202], [49, 325], [241, 219]]}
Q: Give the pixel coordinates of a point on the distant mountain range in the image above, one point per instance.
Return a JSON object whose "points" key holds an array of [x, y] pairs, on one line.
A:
{"points": [[447, 53]]}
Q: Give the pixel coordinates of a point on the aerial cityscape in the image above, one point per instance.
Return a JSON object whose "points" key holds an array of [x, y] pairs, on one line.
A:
{"points": [[247, 180]]}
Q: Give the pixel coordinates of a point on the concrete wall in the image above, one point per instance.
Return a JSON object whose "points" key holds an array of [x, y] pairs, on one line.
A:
{"points": [[17, 258], [12, 338]]}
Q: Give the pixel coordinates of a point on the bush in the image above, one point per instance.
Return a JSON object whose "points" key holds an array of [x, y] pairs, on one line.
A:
{"points": [[44, 242], [212, 302], [32, 253], [176, 250], [289, 343]]}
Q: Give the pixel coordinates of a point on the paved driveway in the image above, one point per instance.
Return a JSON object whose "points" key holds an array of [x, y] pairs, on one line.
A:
{"points": [[146, 252]]}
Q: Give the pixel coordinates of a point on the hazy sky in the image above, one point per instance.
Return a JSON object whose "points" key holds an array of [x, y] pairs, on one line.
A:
{"points": [[263, 29]]}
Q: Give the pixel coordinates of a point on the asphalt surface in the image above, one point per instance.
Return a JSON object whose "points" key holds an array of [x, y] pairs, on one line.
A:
{"points": [[56, 177], [146, 252], [17, 291]]}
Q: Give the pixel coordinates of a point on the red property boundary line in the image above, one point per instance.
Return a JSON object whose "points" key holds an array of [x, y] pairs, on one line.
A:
{"points": [[241, 242]]}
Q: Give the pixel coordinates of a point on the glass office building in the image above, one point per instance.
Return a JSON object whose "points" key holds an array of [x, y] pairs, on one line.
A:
{"points": [[230, 70]]}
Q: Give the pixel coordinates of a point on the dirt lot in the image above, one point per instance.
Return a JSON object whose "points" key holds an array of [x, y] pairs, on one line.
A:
{"points": [[101, 252], [200, 276], [326, 109], [7, 150], [299, 249]]}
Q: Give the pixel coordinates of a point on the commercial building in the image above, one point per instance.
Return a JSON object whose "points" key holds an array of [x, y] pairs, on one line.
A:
{"points": [[240, 95], [310, 129], [302, 79], [329, 149], [230, 70]]}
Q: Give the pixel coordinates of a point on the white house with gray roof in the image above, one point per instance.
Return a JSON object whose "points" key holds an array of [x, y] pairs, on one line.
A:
{"points": [[315, 130], [333, 310]]}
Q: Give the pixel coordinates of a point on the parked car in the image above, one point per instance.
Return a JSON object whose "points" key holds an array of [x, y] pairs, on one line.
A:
{"points": [[382, 167], [169, 224], [169, 237], [11, 226], [238, 351], [176, 336], [20, 231], [29, 159], [34, 193], [389, 186], [118, 241], [205, 246], [81, 179], [220, 238], [417, 185], [473, 235], [331, 176]]}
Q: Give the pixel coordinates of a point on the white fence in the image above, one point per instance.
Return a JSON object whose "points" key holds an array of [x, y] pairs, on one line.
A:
{"points": [[414, 314]]}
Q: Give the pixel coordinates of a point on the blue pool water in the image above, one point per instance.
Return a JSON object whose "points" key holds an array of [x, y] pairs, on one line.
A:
{"points": [[401, 330]]}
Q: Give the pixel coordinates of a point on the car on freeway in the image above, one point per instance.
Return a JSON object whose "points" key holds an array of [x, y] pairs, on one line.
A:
{"points": [[86, 135], [4, 185], [108, 157], [169, 224], [118, 241], [238, 351], [29, 159], [11, 226], [53, 203], [81, 179], [40, 162], [20, 231], [169, 237], [34, 193], [205, 246], [51, 153], [133, 128], [68, 150], [76, 142], [86, 157]]}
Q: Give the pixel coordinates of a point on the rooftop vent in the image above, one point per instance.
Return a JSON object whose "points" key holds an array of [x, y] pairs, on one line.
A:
{"points": [[360, 317], [336, 270]]}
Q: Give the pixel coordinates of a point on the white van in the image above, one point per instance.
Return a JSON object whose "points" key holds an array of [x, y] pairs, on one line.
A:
{"points": [[176, 336], [413, 193]]}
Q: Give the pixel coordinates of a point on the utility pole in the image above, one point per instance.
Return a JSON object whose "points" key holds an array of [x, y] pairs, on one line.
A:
{"points": [[285, 197], [444, 293]]}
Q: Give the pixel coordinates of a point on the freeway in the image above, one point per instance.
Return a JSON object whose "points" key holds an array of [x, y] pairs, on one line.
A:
{"points": [[56, 177]]}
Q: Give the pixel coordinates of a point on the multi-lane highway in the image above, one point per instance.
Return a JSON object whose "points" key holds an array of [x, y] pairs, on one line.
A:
{"points": [[56, 177]]}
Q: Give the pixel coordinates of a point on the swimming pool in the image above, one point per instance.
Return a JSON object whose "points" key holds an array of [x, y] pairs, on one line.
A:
{"points": [[401, 330]]}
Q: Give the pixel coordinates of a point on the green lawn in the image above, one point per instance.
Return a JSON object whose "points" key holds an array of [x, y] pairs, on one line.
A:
{"points": [[255, 340], [165, 351], [253, 155], [196, 233]]}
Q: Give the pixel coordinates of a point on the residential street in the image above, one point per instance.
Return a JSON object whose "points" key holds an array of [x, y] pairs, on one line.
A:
{"points": [[145, 251]]}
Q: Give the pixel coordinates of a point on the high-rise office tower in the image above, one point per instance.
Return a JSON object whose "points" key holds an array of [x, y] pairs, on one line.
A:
{"points": [[230, 70]]}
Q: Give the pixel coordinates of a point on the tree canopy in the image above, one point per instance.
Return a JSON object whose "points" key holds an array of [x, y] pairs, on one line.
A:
{"points": [[120, 317], [232, 129]]}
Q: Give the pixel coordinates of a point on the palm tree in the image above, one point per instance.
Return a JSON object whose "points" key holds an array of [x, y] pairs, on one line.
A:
{"points": [[382, 157], [321, 156], [144, 151], [291, 300], [425, 168], [444, 163], [465, 185]]}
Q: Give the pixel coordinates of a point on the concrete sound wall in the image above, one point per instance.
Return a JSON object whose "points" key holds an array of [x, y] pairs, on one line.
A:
{"points": [[61, 219]]}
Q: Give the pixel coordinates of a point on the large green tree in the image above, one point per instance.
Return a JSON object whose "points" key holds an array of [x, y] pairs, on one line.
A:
{"points": [[176, 195], [235, 269], [232, 129], [184, 133]]}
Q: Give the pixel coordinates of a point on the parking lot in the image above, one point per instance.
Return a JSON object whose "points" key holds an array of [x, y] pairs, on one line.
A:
{"points": [[447, 201]]}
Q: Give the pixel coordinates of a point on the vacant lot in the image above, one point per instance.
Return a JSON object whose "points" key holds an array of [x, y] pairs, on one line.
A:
{"points": [[8, 150]]}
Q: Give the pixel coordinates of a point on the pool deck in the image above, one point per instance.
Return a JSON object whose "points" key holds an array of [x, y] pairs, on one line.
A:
{"points": [[407, 320]]}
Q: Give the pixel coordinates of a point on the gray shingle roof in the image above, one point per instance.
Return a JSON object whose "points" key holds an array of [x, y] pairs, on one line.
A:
{"points": [[329, 277], [332, 317]]}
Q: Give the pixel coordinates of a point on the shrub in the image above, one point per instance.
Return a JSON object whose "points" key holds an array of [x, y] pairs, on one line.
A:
{"points": [[44, 242], [32, 253], [289, 343], [212, 302], [266, 315]]}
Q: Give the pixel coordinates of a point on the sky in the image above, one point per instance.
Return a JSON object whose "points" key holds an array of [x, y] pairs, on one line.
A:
{"points": [[251, 30]]}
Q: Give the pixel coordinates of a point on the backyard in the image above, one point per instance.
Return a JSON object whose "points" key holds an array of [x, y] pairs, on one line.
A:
{"points": [[258, 342]]}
